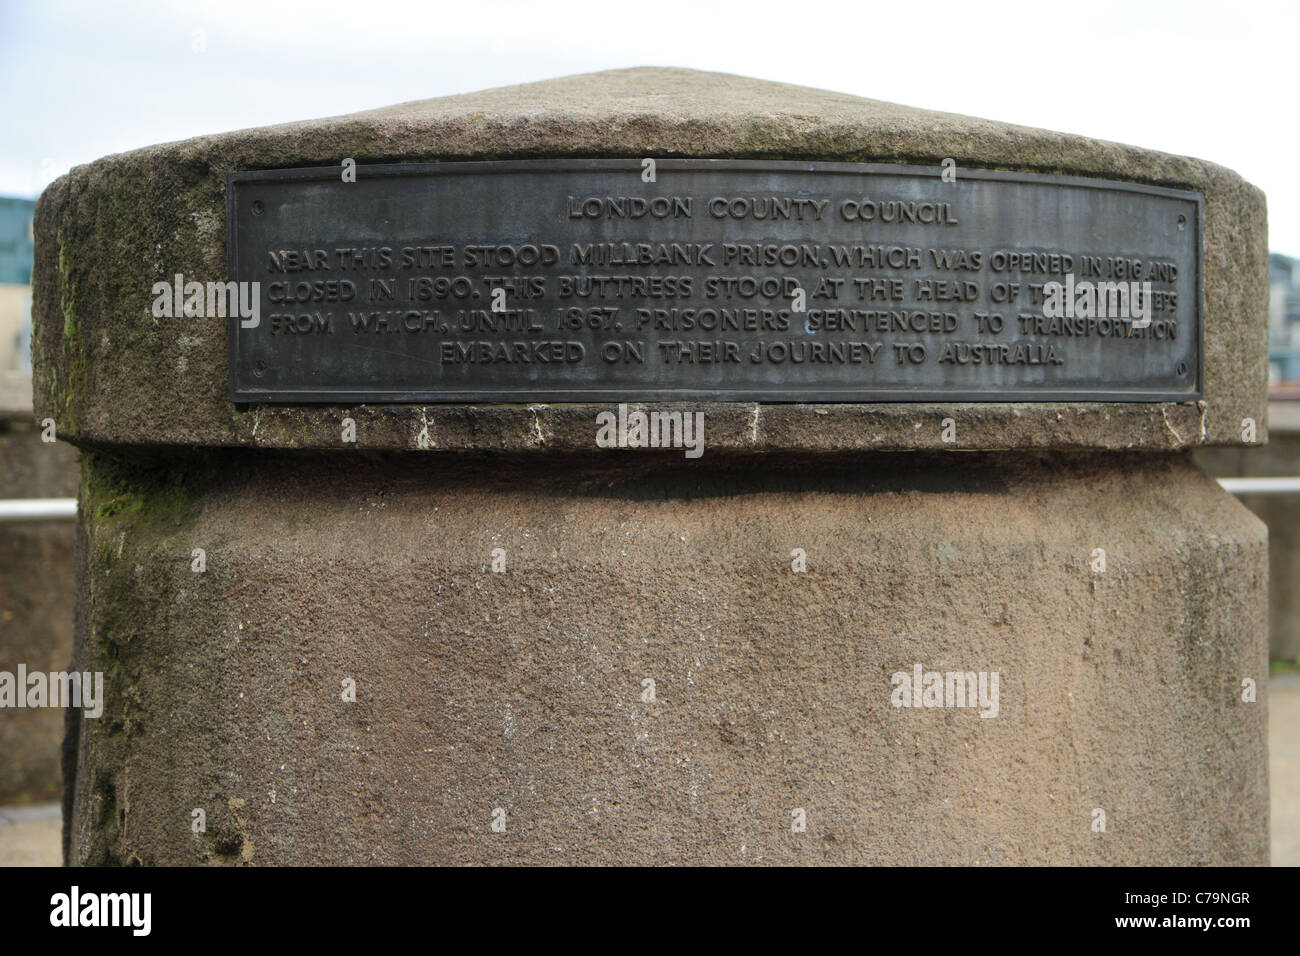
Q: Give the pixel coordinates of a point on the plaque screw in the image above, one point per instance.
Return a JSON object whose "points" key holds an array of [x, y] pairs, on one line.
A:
{"points": [[259, 368], [1181, 369], [259, 208], [1182, 223]]}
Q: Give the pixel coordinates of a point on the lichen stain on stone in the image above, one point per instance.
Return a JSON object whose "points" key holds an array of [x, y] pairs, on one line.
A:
{"points": [[74, 360], [537, 437], [1198, 578], [945, 554], [241, 825], [205, 224], [422, 439], [67, 300]]}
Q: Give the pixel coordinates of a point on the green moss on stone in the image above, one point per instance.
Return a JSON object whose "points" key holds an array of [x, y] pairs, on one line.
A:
{"points": [[143, 494], [74, 357]]}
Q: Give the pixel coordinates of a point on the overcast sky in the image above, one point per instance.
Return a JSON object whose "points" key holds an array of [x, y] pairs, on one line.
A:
{"points": [[1213, 80]]}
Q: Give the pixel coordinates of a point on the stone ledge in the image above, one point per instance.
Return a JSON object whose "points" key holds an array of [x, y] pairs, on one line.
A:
{"points": [[110, 374], [729, 427]]}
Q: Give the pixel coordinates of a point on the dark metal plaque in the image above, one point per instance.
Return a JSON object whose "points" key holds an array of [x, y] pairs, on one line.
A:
{"points": [[575, 280]]}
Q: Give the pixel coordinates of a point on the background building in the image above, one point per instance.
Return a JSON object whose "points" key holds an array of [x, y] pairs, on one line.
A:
{"points": [[16, 283], [1284, 319]]}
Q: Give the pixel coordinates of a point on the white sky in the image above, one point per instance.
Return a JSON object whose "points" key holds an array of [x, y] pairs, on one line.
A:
{"points": [[1212, 80]]}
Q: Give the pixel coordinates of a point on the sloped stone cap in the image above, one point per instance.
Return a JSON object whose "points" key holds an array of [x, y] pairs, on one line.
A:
{"points": [[112, 374]]}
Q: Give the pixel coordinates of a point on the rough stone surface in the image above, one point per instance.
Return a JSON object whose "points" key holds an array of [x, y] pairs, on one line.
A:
{"points": [[1279, 459], [522, 690], [113, 375], [36, 575]]}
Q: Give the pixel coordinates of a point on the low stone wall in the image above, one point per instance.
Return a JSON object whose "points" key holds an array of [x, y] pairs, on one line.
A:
{"points": [[36, 591], [1279, 458]]}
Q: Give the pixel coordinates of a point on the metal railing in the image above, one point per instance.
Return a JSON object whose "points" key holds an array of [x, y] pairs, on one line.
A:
{"points": [[36, 509], [1261, 486], [39, 509]]}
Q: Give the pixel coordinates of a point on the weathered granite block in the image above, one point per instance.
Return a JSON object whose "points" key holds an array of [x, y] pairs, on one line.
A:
{"points": [[519, 696]]}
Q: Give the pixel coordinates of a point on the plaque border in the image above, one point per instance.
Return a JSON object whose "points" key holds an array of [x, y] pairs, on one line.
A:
{"points": [[749, 394]]}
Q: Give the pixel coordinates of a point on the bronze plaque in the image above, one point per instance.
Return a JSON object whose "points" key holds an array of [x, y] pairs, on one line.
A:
{"points": [[730, 280]]}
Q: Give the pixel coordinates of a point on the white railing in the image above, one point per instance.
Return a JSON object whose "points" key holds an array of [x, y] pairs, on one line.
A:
{"points": [[37, 509], [1261, 486]]}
